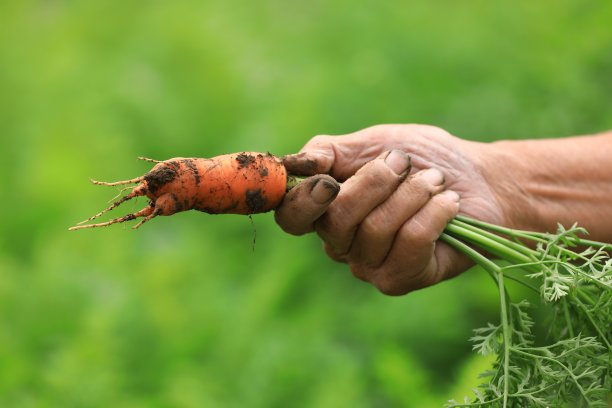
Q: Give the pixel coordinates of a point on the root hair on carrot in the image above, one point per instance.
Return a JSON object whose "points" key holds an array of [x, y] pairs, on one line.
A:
{"points": [[149, 160], [118, 183], [118, 194], [113, 206], [145, 212], [155, 213]]}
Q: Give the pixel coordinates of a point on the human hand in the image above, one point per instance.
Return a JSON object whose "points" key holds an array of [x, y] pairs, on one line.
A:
{"points": [[401, 186]]}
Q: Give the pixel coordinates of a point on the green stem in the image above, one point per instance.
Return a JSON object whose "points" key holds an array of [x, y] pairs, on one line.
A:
{"points": [[552, 360], [506, 333], [532, 235], [586, 312], [522, 282], [568, 320], [474, 255], [496, 271], [490, 245], [521, 248], [586, 296]]}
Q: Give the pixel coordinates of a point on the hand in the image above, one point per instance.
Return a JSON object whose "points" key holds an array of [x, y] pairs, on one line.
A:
{"points": [[401, 186]]}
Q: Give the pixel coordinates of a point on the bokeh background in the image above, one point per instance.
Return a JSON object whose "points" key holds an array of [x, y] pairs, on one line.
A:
{"points": [[184, 313]]}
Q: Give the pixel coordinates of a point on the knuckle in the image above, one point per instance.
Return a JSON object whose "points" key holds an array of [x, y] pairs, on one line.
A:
{"points": [[376, 182], [288, 225], [371, 227], [427, 130], [417, 232], [336, 215], [376, 178], [389, 287], [426, 279], [341, 217], [376, 171], [417, 190], [329, 251], [319, 140], [448, 209], [422, 185], [380, 128], [359, 271]]}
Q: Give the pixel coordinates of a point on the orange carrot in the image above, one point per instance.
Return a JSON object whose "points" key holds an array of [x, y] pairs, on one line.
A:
{"points": [[240, 183]]}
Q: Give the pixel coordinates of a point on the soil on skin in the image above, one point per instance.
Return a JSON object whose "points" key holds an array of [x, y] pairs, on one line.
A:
{"points": [[300, 164]]}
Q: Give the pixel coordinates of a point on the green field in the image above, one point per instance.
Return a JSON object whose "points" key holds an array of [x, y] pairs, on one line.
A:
{"points": [[184, 312]]}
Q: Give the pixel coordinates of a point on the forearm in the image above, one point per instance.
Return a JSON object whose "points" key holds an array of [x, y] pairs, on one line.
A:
{"points": [[540, 183]]}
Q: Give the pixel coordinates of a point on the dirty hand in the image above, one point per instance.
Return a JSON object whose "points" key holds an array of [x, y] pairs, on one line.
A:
{"points": [[401, 184]]}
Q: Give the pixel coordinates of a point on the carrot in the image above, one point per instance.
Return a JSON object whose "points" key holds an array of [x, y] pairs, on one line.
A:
{"points": [[240, 183]]}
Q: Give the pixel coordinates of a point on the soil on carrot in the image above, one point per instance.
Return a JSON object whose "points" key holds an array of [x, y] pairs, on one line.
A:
{"points": [[243, 183], [159, 177], [191, 165], [244, 160], [255, 200]]}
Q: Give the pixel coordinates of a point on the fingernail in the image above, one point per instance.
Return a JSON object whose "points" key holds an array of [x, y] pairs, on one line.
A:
{"points": [[433, 176], [452, 195], [324, 191], [398, 161]]}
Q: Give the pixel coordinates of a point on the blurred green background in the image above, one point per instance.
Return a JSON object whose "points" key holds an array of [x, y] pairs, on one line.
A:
{"points": [[183, 313]]}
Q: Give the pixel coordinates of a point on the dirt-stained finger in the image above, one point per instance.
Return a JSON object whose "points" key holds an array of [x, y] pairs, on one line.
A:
{"points": [[341, 156], [308, 163], [360, 194], [376, 233], [411, 263], [305, 203]]}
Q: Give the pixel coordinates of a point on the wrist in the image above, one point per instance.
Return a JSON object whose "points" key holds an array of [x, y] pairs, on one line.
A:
{"points": [[540, 183], [507, 172]]}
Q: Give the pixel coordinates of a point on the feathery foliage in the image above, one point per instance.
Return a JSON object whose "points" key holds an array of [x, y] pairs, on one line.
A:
{"points": [[575, 365]]}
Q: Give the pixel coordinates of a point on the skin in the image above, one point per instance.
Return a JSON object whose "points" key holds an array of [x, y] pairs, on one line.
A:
{"points": [[401, 184]]}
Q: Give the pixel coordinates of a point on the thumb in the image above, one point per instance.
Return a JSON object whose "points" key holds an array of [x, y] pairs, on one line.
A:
{"points": [[338, 156]]}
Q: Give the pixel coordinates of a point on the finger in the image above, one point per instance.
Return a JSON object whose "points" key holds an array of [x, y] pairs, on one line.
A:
{"points": [[305, 203], [376, 233], [333, 255], [450, 263], [411, 263], [359, 195], [341, 156]]}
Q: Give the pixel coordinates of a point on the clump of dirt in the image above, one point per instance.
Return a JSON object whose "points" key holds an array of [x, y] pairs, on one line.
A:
{"points": [[159, 177], [255, 200], [244, 160]]}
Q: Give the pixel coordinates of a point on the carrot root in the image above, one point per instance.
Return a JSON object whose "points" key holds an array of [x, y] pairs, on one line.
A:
{"points": [[118, 194], [149, 160], [145, 212], [154, 214], [111, 207], [118, 183]]}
